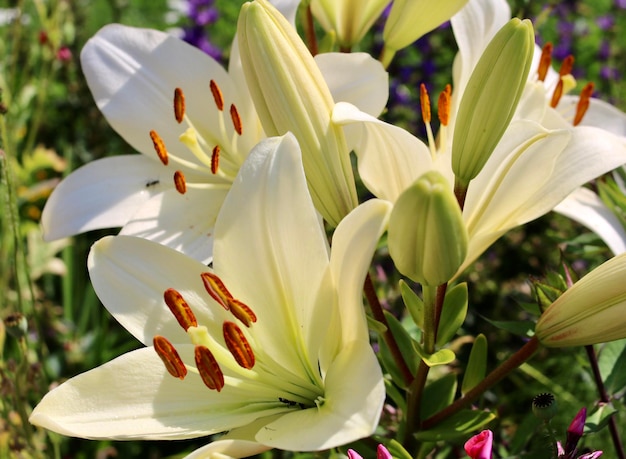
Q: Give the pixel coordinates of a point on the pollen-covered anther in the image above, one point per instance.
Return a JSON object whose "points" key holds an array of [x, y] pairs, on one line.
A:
{"points": [[218, 97], [443, 105], [544, 61], [168, 354], [556, 95], [179, 105], [179, 182], [566, 66], [238, 345], [242, 312], [159, 147], [234, 115], [179, 307], [216, 288], [215, 159], [583, 103], [425, 103], [208, 368]]}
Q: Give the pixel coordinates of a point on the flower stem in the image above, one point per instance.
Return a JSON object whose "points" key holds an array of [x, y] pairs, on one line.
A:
{"points": [[309, 31], [377, 311], [604, 397], [522, 355]]}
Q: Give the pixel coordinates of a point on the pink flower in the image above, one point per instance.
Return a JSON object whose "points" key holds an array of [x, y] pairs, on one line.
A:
{"points": [[479, 446], [381, 453]]}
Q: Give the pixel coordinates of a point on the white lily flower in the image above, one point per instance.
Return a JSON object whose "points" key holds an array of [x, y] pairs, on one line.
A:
{"points": [[133, 75], [271, 344]]}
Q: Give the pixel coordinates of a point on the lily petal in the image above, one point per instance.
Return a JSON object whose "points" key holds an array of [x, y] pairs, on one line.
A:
{"points": [[369, 91], [267, 213], [600, 114], [350, 410], [188, 227], [586, 207], [102, 194]]}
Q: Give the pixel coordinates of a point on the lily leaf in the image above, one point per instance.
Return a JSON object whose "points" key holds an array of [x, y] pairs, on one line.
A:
{"points": [[460, 425]]}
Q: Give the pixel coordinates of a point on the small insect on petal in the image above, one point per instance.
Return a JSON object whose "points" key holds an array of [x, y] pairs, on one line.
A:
{"points": [[238, 345], [218, 97], [179, 307], [168, 354], [216, 288], [179, 182], [234, 115], [179, 105], [159, 147], [209, 369]]}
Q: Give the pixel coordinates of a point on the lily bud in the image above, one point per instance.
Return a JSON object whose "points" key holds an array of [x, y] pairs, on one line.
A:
{"points": [[427, 236], [290, 94], [349, 19], [410, 19], [591, 311], [491, 97]]}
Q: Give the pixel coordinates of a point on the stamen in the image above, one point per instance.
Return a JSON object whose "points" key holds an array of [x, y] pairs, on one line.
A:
{"points": [[215, 159], [209, 370], [234, 115], [544, 61], [556, 95], [443, 105], [179, 182], [583, 103], [179, 105], [179, 307], [168, 354], [159, 147], [425, 103], [242, 312], [567, 66], [217, 95], [238, 345], [216, 288]]}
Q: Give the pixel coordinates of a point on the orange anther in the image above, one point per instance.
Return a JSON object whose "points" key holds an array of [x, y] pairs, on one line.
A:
{"points": [[215, 159], [168, 354], [209, 370], [159, 147], [179, 307], [179, 182], [218, 97], [425, 103], [242, 312], [234, 115], [583, 103], [179, 105], [238, 345], [567, 66], [544, 61], [556, 95], [216, 288], [443, 105]]}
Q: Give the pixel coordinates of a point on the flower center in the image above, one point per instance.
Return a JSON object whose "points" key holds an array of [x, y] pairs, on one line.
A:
{"points": [[216, 150], [443, 113], [235, 358], [566, 82]]}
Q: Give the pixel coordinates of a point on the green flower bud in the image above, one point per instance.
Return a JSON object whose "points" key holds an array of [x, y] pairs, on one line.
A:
{"points": [[290, 94], [491, 97], [427, 236], [591, 311]]}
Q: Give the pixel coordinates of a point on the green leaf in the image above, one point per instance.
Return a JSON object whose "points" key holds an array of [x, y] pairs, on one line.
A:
{"points": [[461, 424], [611, 365], [438, 395], [413, 303], [441, 357], [518, 327], [476, 365], [397, 450], [599, 418], [375, 325], [453, 313], [406, 345]]}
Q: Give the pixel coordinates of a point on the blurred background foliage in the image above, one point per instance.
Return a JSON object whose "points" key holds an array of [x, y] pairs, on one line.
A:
{"points": [[54, 326]]}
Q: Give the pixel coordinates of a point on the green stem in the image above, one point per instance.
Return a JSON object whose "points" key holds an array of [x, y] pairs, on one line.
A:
{"points": [[604, 397], [379, 315], [522, 355]]}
